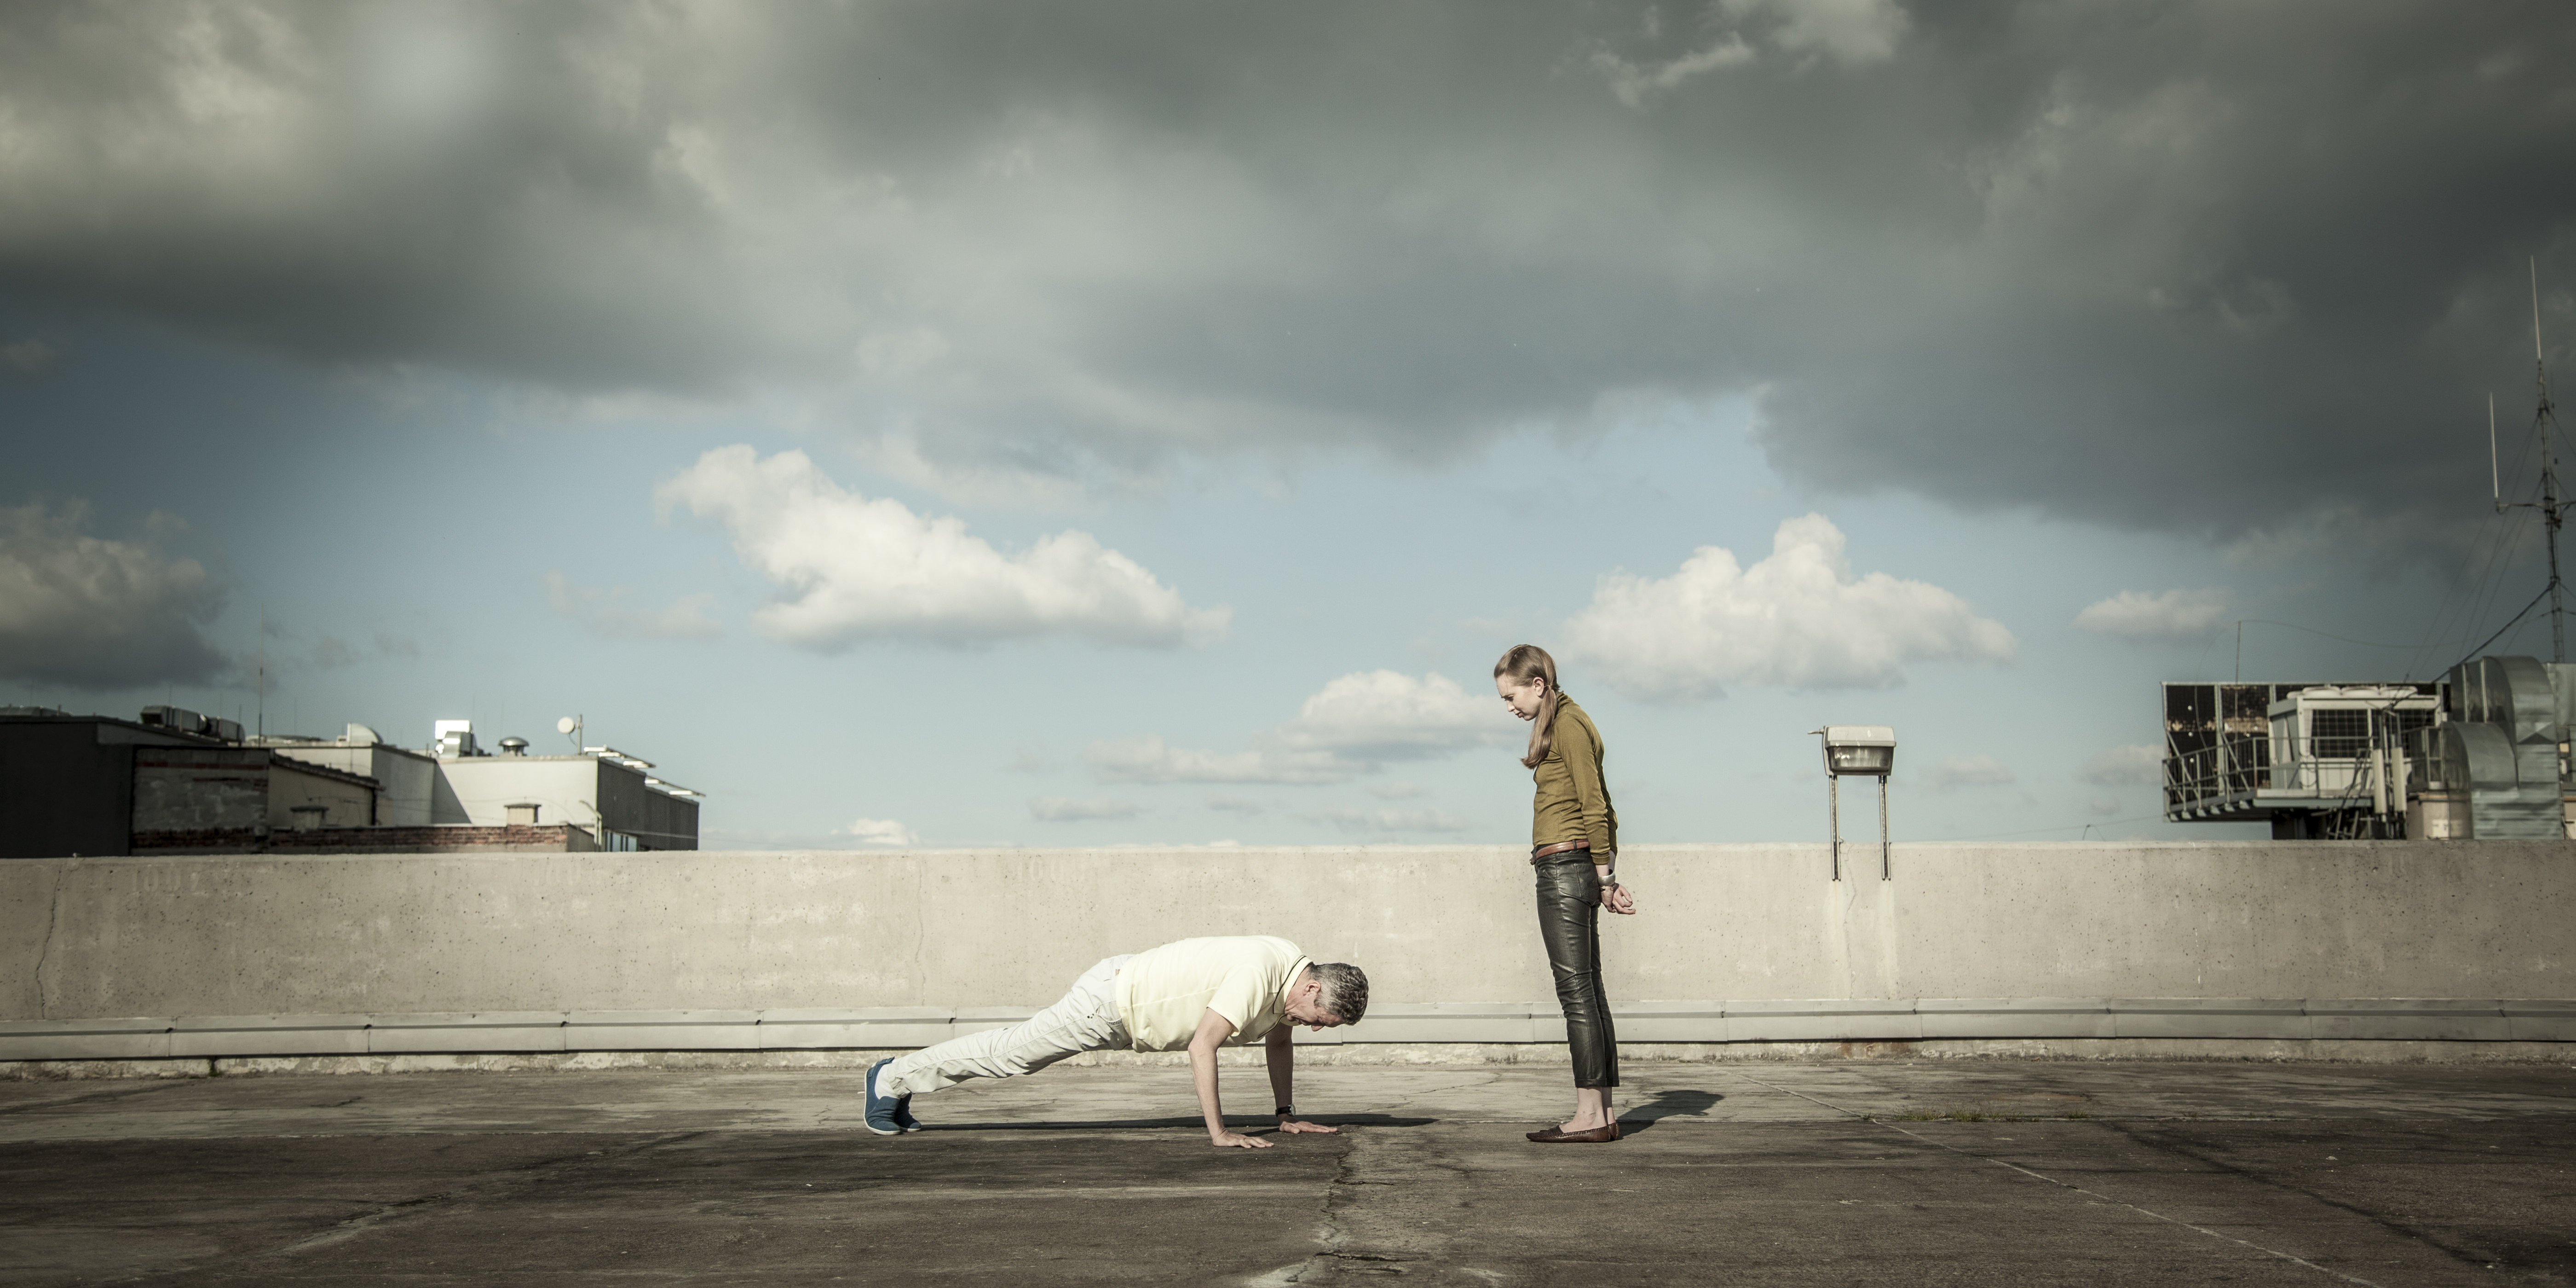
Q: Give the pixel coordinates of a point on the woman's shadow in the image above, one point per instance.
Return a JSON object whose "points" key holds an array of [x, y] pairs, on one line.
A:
{"points": [[1666, 1104]]}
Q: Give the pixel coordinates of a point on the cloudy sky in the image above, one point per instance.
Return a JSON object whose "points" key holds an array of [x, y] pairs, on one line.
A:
{"points": [[967, 424]]}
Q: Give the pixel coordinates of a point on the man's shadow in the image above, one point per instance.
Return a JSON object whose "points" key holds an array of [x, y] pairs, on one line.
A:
{"points": [[1255, 1129], [1666, 1104]]}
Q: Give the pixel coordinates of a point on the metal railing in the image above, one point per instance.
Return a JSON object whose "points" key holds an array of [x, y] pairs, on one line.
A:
{"points": [[2336, 772]]}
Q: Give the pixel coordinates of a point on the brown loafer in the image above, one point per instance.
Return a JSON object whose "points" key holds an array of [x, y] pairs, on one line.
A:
{"points": [[1597, 1136]]}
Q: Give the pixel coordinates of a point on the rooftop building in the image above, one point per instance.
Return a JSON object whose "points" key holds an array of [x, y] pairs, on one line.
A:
{"points": [[176, 782], [2481, 754]]}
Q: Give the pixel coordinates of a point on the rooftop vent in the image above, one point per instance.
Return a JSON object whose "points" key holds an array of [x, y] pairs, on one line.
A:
{"points": [[454, 738], [514, 746]]}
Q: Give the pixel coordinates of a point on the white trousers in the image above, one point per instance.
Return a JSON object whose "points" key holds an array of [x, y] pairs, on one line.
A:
{"points": [[1084, 1019]]}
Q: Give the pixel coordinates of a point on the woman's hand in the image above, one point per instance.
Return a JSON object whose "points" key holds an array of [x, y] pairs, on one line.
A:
{"points": [[1615, 897]]}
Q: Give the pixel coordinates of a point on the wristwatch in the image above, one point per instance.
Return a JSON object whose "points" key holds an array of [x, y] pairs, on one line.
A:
{"points": [[1287, 1111]]}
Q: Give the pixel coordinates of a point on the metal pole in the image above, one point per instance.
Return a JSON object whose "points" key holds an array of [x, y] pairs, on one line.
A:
{"points": [[1885, 871], [2550, 516], [2219, 763], [1834, 806]]}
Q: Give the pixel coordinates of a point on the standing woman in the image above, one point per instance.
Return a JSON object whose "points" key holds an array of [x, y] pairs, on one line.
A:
{"points": [[1574, 845]]}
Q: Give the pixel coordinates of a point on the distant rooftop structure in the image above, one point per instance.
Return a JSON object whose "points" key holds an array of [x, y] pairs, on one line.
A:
{"points": [[600, 789], [2481, 754], [2497, 766], [182, 720], [176, 781], [2296, 755], [452, 738]]}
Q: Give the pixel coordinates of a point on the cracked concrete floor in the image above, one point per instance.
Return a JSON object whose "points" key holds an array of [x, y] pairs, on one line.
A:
{"points": [[1754, 1173]]}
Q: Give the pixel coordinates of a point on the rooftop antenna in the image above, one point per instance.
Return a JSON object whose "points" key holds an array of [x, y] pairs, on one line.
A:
{"points": [[2553, 512], [2495, 480], [261, 721]]}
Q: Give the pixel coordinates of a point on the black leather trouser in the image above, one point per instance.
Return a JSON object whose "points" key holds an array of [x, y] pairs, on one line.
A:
{"points": [[1569, 922]]}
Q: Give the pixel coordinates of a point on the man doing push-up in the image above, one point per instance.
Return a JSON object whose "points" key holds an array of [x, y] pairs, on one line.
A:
{"points": [[1198, 994]]}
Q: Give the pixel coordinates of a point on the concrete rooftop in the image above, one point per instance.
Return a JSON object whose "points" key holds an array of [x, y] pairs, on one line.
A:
{"points": [[1973, 1172]]}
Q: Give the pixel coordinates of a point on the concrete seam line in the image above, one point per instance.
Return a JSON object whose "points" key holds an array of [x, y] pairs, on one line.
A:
{"points": [[45, 951], [88, 1098], [352, 1227], [2066, 1185]]}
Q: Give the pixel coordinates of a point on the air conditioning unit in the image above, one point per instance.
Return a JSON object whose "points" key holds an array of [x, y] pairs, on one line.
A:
{"points": [[174, 719]]}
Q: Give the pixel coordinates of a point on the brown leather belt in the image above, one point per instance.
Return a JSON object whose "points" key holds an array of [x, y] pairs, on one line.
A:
{"points": [[1559, 848]]}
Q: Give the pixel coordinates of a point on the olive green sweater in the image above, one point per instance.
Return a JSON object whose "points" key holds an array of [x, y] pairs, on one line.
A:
{"points": [[1573, 802]]}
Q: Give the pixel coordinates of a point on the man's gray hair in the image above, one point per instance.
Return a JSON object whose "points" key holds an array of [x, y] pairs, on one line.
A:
{"points": [[1345, 990]]}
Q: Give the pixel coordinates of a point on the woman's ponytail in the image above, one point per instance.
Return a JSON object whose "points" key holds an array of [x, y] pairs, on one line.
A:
{"points": [[1524, 663]]}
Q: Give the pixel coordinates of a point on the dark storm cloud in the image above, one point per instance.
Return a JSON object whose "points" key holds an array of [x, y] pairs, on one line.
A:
{"points": [[2205, 267], [96, 613]]}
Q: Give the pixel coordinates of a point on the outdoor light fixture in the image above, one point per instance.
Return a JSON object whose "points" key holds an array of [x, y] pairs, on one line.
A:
{"points": [[1858, 749]]}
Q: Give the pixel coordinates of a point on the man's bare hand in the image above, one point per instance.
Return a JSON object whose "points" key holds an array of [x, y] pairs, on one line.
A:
{"points": [[1237, 1140], [1293, 1125], [1617, 899]]}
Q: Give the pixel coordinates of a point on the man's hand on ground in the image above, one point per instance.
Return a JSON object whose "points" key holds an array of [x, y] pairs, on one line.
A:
{"points": [[1293, 1125], [1237, 1140]]}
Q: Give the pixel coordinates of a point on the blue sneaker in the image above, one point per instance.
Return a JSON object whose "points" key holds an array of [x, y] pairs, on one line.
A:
{"points": [[903, 1114], [882, 1109]]}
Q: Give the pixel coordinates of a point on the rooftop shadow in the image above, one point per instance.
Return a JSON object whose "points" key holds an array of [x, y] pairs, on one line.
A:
{"points": [[1130, 1124], [1667, 1104]]}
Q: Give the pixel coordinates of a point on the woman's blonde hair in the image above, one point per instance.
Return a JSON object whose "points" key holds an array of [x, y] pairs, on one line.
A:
{"points": [[1524, 663]]}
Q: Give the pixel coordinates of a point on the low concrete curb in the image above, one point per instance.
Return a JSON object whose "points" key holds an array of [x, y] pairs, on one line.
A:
{"points": [[1516, 1023]]}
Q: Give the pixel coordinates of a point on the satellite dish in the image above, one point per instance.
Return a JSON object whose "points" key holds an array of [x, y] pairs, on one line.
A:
{"points": [[566, 725]]}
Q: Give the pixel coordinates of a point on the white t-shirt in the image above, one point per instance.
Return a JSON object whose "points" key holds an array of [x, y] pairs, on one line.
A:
{"points": [[1163, 992]]}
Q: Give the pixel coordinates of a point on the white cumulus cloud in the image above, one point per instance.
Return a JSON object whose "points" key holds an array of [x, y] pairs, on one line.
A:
{"points": [[97, 613], [1798, 618], [1387, 715], [2173, 616], [1951, 772], [2133, 766], [850, 568], [1349, 727], [878, 831]]}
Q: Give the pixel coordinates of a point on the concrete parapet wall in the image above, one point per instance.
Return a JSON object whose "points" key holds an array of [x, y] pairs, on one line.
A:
{"points": [[2050, 938], [1493, 1024]]}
